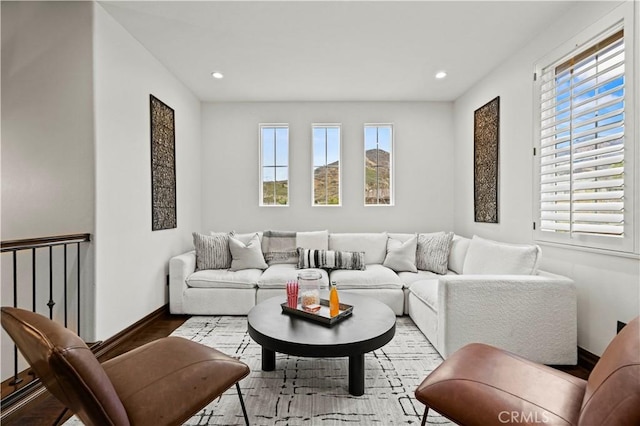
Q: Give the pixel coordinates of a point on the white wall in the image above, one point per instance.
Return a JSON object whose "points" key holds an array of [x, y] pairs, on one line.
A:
{"points": [[423, 159], [608, 286], [47, 152], [47, 119], [131, 260]]}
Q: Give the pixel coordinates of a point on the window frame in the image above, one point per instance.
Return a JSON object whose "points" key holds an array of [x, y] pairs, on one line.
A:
{"points": [[620, 18], [391, 164], [262, 126], [326, 126]]}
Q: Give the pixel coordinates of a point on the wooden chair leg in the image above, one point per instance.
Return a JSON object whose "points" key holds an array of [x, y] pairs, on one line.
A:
{"points": [[424, 417], [244, 410]]}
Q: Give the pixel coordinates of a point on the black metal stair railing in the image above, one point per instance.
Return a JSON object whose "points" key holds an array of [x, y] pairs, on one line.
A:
{"points": [[14, 388]]}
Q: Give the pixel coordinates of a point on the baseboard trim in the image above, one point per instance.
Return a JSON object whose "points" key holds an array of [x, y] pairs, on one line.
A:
{"points": [[586, 359], [104, 347]]}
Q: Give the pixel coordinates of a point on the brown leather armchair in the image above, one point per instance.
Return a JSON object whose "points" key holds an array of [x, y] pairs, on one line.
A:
{"points": [[483, 385], [164, 382]]}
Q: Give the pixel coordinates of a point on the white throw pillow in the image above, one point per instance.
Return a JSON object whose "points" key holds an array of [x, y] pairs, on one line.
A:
{"points": [[487, 257], [246, 256], [401, 256], [245, 238], [459, 247]]}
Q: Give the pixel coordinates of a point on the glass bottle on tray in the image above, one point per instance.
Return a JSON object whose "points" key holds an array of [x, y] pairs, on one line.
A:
{"points": [[334, 301]]}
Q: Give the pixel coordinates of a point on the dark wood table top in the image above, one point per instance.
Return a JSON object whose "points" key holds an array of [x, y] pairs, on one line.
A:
{"points": [[371, 325]]}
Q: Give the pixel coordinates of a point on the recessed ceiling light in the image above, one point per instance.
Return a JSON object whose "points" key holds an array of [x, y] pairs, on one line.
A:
{"points": [[217, 74], [440, 75]]}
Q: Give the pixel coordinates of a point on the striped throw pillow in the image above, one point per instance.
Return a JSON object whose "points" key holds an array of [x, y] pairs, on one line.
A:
{"points": [[212, 251], [329, 259]]}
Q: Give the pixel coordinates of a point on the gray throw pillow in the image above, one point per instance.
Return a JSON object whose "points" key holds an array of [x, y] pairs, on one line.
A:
{"points": [[212, 251], [279, 247], [433, 252], [246, 256]]}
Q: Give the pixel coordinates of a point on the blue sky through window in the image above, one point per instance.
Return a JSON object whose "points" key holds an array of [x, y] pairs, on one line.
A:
{"points": [[326, 145]]}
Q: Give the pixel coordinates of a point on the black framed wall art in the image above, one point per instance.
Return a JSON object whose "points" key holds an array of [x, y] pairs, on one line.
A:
{"points": [[163, 165], [486, 138]]}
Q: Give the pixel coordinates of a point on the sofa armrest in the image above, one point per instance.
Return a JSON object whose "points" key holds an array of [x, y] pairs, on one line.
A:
{"points": [[519, 313], [180, 267]]}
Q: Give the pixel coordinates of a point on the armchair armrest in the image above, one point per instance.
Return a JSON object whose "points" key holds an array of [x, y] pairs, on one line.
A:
{"points": [[534, 316], [180, 267]]}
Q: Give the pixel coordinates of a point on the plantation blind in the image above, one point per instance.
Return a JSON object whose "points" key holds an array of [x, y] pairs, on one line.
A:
{"points": [[582, 141]]}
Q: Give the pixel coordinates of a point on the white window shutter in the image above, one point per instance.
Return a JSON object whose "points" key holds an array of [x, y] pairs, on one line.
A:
{"points": [[582, 141]]}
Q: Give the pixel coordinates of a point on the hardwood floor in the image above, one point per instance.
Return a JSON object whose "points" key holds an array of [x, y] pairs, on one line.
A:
{"points": [[574, 370], [46, 409]]}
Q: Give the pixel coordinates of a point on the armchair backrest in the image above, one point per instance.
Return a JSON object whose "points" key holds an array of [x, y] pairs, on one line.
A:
{"points": [[66, 367], [612, 396]]}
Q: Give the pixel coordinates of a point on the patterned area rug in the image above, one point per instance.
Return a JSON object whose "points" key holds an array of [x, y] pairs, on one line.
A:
{"points": [[313, 391]]}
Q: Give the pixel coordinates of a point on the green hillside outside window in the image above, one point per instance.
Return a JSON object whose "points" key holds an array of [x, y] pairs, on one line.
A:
{"points": [[378, 155]]}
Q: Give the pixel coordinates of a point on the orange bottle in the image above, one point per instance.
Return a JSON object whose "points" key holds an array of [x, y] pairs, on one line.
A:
{"points": [[334, 302]]}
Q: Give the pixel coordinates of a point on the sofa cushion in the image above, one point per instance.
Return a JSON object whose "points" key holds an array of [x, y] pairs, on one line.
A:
{"points": [[459, 247], [427, 292], [246, 255], [374, 245], [408, 278], [224, 278], [329, 259], [276, 276], [433, 252], [313, 240], [374, 276], [212, 251], [401, 255], [486, 257], [279, 247]]}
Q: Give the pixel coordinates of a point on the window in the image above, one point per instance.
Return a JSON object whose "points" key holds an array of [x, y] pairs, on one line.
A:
{"points": [[378, 164], [274, 165], [584, 195], [326, 164]]}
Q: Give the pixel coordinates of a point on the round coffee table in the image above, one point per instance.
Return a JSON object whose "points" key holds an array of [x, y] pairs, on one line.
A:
{"points": [[371, 326]]}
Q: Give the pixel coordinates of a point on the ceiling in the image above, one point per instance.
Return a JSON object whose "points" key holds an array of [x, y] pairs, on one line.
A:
{"points": [[333, 50]]}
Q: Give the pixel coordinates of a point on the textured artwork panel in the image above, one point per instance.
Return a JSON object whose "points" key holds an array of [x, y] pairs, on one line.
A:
{"points": [[163, 166], [166, 176], [486, 136]]}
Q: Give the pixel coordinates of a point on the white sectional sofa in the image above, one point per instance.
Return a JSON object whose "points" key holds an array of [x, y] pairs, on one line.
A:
{"points": [[484, 291]]}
